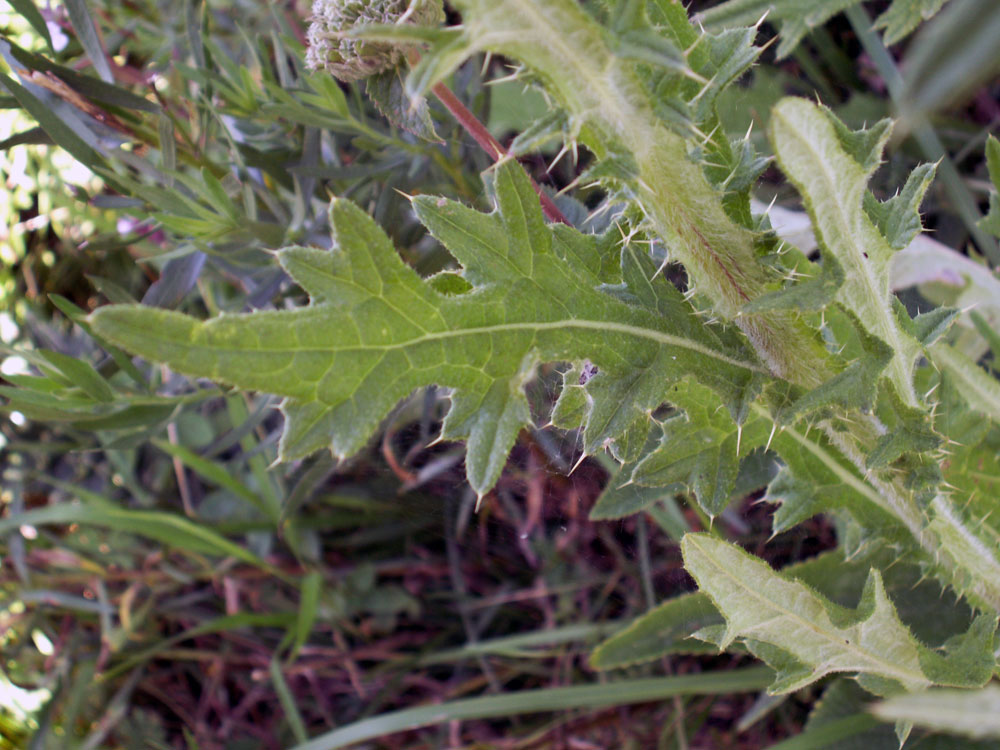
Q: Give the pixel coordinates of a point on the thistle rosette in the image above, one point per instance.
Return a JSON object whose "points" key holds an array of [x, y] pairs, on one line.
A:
{"points": [[353, 59]]}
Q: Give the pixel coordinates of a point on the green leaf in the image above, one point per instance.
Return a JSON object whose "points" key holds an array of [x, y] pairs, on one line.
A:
{"points": [[387, 90], [845, 732], [660, 632], [845, 700], [309, 593], [667, 629], [979, 390], [621, 112], [831, 166], [168, 529], [287, 701], [854, 387], [898, 219], [32, 136], [376, 331], [86, 85], [622, 498], [908, 431], [806, 636], [78, 316], [817, 288], [955, 55], [221, 624], [968, 550], [971, 713], [700, 449], [61, 132], [81, 374], [217, 474], [903, 16], [797, 17]]}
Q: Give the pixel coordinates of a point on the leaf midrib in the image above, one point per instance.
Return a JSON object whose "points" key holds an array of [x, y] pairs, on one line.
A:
{"points": [[596, 325]]}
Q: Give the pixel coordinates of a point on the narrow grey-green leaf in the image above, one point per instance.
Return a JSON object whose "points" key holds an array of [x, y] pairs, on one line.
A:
{"points": [[953, 55], [86, 33], [60, 132], [388, 92], [32, 15], [217, 474], [82, 374], [660, 632]]}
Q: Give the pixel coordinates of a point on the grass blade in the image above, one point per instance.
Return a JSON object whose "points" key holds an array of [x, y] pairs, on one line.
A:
{"points": [[538, 701], [287, 700], [163, 527]]}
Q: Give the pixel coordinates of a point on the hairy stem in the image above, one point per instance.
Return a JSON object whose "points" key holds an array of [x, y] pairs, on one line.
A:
{"points": [[490, 145]]}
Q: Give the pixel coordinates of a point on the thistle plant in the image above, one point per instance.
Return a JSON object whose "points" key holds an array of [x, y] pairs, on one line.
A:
{"points": [[814, 362], [871, 413]]}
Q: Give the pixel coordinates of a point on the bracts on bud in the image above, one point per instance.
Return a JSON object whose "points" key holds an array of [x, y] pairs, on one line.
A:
{"points": [[352, 59]]}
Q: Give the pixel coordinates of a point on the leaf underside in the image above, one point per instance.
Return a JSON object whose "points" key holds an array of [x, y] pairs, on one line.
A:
{"points": [[805, 636]]}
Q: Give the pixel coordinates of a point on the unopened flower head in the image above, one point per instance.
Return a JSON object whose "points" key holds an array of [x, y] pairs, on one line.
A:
{"points": [[351, 59]]}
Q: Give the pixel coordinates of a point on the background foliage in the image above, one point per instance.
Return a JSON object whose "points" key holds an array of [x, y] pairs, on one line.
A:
{"points": [[165, 584]]}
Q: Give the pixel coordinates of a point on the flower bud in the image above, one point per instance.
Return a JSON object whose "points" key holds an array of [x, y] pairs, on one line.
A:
{"points": [[351, 59]]}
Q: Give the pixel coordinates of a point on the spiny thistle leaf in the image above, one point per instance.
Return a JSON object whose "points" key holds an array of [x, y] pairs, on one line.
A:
{"points": [[375, 331], [701, 448], [796, 18], [805, 636], [836, 575], [903, 16], [817, 479], [898, 219], [831, 166]]}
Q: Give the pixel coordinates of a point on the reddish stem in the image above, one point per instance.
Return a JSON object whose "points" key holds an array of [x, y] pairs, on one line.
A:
{"points": [[489, 144]]}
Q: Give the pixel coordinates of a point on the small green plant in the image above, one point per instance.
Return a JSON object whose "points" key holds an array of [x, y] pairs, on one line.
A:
{"points": [[874, 414]]}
